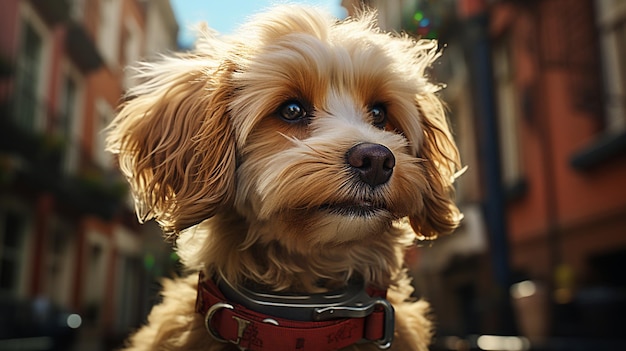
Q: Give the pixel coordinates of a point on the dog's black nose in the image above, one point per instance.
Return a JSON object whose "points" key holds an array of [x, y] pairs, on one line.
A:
{"points": [[373, 162]]}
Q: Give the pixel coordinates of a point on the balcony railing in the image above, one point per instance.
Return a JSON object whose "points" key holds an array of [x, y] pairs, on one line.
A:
{"points": [[81, 48], [34, 160], [79, 45]]}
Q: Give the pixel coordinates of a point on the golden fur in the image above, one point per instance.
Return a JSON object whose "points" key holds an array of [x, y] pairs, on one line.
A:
{"points": [[243, 191]]}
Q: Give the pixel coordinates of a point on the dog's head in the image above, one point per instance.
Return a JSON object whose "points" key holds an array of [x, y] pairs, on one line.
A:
{"points": [[311, 130]]}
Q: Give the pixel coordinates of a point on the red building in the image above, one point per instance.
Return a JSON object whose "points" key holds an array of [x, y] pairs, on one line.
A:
{"points": [[545, 87], [68, 237], [537, 96], [559, 73]]}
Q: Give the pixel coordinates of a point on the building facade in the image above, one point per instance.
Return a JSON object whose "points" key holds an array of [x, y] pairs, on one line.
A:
{"points": [[68, 236], [564, 64], [536, 92]]}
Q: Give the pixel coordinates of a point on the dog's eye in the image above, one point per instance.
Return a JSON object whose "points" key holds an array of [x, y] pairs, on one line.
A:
{"points": [[379, 116], [292, 111]]}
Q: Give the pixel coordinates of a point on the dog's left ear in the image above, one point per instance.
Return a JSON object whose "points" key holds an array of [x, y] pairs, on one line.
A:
{"points": [[440, 156]]}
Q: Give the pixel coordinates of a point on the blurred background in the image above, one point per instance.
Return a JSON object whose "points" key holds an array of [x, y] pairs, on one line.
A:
{"points": [[536, 91]]}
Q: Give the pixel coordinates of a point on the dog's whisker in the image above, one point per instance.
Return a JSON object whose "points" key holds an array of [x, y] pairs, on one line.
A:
{"points": [[299, 142], [291, 138]]}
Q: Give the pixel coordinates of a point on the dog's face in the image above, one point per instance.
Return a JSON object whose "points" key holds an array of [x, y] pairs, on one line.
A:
{"points": [[314, 131]]}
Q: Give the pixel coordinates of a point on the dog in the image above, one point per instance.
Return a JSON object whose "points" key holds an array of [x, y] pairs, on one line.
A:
{"points": [[292, 163]]}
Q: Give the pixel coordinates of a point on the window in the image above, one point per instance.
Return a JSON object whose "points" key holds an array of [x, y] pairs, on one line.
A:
{"points": [[612, 24], [67, 111], [95, 276], [128, 279], [130, 49], [69, 118], [610, 21], [109, 30], [28, 77], [507, 114], [12, 231], [78, 10], [59, 263], [104, 116]]}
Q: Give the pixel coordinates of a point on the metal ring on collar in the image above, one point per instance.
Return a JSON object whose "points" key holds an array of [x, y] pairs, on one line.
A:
{"points": [[387, 339], [209, 315]]}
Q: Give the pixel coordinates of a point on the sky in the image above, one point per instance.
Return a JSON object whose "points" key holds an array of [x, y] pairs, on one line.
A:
{"points": [[226, 15]]}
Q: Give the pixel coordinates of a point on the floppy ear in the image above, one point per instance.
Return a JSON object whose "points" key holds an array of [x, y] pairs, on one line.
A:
{"points": [[439, 214], [175, 141]]}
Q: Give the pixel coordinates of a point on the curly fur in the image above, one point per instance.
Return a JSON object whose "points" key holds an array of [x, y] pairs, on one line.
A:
{"points": [[243, 191]]}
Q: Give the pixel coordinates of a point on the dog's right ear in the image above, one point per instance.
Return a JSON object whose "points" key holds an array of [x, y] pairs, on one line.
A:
{"points": [[440, 214], [175, 142]]}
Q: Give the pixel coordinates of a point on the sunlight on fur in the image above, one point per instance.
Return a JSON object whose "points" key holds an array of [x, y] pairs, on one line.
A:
{"points": [[294, 155]]}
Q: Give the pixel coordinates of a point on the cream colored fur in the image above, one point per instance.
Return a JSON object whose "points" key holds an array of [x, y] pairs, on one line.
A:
{"points": [[246, 193]]}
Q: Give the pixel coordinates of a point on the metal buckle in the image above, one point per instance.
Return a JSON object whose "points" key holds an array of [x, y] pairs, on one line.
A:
{"points": [[363, 309], [209, 315], [387, 339], [241, 323]]}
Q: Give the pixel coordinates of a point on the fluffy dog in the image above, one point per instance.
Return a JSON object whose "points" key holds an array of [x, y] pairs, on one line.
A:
{"points": [[291, 159]]}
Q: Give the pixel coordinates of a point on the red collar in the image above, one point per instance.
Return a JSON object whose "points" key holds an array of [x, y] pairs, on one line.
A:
{"points": [[227, 321]]}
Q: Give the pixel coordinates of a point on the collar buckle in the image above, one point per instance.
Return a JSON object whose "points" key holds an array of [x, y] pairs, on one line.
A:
{"points": [[360, 310]]}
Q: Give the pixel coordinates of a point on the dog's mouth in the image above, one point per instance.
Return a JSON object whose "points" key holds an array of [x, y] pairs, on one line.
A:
{"points": [[355, 209]]}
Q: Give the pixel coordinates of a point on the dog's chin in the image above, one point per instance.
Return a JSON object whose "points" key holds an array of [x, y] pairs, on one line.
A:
{"points": [[349, 225], [339, 223]]}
